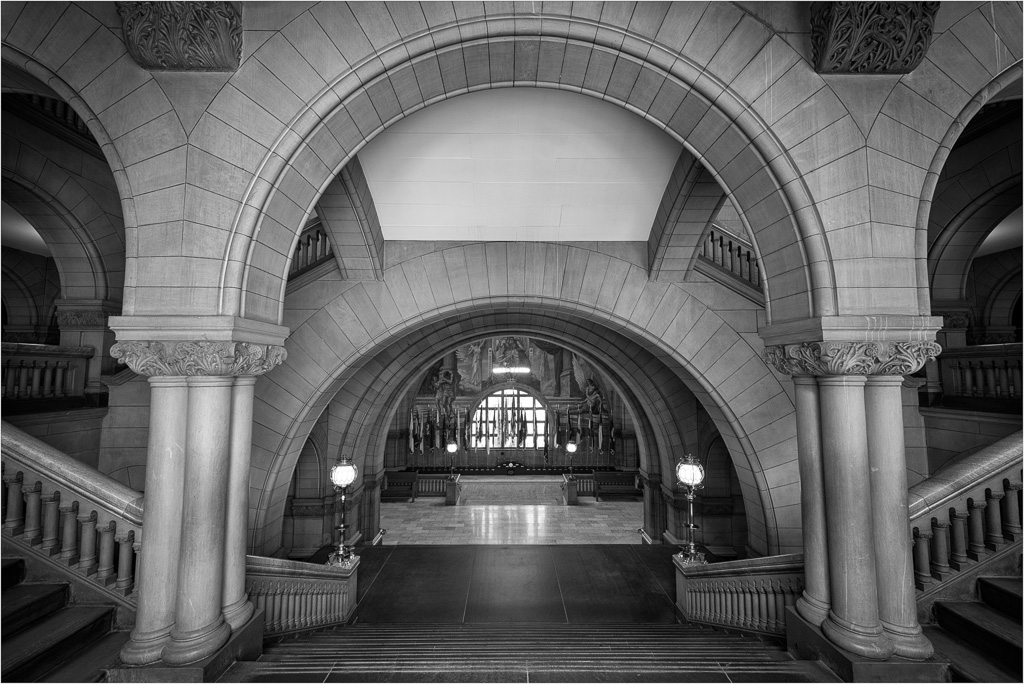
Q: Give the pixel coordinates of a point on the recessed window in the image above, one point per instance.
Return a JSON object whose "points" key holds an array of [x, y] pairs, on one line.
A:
{"points": [[509, 419]]}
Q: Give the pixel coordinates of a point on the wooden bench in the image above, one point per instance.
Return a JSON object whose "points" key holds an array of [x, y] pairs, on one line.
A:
{"points": [[399, 485], [615, 484]]}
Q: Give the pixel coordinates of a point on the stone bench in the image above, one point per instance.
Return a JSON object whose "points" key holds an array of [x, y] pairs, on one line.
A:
{"points": [[615, 484]]}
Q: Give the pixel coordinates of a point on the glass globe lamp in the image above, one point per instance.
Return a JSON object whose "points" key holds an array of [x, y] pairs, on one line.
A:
{"points": [[343, 474]]}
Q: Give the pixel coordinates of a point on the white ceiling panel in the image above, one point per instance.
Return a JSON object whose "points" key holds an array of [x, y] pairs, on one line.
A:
{"points": [[521, 164]]}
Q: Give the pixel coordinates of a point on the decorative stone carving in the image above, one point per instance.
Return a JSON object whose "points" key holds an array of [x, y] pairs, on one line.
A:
{"points": [[198, 358], [183, 36], [955, 319], [851, 358], [89, 319], [870, 37]]}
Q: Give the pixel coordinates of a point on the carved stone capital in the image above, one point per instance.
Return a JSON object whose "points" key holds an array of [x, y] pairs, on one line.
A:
{"points": [[870, 37], [198, 358], [851, 358], [182, 36], [84, 319]]}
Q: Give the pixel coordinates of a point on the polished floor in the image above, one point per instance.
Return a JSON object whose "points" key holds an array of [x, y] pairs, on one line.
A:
{"points": [[525, 510]]}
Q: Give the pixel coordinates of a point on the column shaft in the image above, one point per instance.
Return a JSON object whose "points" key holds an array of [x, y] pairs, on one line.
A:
{"points": [[237, 609], [200, 629], [894, 567], [813, 605], [158, 562], [853, 621]]}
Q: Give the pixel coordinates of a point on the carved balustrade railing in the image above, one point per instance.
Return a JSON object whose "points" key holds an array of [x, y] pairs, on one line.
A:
{"points": [[966, 512], [71, 515], [431, 484], [43, 371], [986, 371], [730, 255], [749, 595], [298, 596], [313, 249]]}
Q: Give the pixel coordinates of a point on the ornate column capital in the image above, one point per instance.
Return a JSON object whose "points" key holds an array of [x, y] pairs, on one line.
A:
{"points": [[198, 357], [182, 36], [870, 37], [851, 358]]}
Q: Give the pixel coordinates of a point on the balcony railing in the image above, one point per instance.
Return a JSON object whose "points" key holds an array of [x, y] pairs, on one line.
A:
{"points": [[313, 249], [43, 371], [730, 256], [984, 372], [298, 596]]}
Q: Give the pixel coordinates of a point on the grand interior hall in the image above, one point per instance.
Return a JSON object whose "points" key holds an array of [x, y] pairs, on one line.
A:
{"points": [[511, 341]]}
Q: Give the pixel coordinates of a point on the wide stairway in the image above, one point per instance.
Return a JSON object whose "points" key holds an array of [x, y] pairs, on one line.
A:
{"points": [[46, 638], [982, 639], [525, 652]]}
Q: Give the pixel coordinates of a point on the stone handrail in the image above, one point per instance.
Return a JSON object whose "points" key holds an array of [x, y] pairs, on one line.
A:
{"points": [[966, 511], [43, 371], [990, 371], [749, 595], [71, 514], [431, 484], [298, 596]]}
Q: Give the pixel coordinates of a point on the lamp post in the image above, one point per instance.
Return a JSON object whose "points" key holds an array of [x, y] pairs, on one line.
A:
{"points": [[452, 447], [570, 449], [690, 474], [343, 474]]}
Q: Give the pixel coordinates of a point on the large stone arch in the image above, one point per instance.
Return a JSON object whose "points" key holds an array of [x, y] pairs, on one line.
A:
{"points": [[683, 94], [340, 329]]}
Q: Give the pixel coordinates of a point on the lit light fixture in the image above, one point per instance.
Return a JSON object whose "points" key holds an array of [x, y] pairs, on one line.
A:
{"points": [[690, 474], [570, 446], [509, 370], [343, 474], [452, 446]]}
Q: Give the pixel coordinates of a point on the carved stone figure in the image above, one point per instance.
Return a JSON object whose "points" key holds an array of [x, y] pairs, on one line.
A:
{"points": [[444, 391]]}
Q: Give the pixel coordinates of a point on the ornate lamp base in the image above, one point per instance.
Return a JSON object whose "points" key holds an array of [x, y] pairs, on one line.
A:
{"points": [[687, 557], [342, 559]]}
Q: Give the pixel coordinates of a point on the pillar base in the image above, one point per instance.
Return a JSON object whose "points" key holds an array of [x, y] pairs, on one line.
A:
{"points": [[864, 641], [238, 613], [811, 609], [909, 642], [185, 648], [145, 648], [805, 641], [245, 644]]}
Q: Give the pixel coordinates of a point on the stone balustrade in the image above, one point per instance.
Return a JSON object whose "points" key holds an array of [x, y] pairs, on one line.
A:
{"points": [[731, 254], [966, 512], [70, 514], [298, 596], [313, 249], [43, 371], [749, 595], [991, 371]]}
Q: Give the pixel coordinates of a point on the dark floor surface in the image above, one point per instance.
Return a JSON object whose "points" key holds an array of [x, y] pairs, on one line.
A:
{"points": [[516, 583]]}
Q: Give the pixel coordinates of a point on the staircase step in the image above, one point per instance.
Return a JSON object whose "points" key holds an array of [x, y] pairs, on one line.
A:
{"points": [[45, 645], [13, 572], [1002, 593], [985, 628], [966, 663], [91, 665], [25, 604]]}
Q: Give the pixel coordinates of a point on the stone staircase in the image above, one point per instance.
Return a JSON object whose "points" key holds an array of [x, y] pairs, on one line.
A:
{"points": [[981, 639], [525, 652], [48, 639]]}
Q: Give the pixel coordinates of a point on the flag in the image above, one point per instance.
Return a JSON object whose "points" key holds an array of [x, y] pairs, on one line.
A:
{"points": [[412, 436]]}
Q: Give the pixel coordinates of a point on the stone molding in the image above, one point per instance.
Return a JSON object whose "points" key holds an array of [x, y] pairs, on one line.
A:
{"points": [[182, 36], [198, 358], [870, 37], [84, 319], [955, 319], [851, 358]]}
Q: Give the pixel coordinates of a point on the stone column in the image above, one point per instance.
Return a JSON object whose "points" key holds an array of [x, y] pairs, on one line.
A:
{"points": [[237, 609], [199, 626], [158, 566], [897, 599], [198, 462], [813, 605], [853, 621]]}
